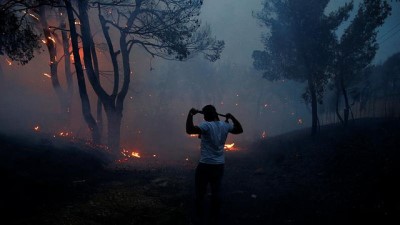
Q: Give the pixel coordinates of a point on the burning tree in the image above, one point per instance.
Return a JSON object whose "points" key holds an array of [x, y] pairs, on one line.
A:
{"points": [[168, 29], [51, 40], [300, 45], [27, 23]]}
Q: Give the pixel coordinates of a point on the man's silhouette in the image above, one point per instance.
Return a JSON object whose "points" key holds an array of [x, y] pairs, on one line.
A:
{"points": [[213, 134]]}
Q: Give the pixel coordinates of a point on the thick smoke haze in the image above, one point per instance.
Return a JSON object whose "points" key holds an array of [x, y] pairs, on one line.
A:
{"points": [[162, 92]]}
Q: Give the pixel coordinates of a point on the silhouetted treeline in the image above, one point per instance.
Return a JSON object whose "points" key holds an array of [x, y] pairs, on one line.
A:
{"points": [[375, 92]]}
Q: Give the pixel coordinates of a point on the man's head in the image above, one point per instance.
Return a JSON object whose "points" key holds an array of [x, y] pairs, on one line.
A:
{"points": [[210, 113]]}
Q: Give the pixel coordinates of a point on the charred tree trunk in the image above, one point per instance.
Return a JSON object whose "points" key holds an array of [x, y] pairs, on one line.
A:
{"points": [[337, 107], [314, 106], [114, 129], [67, 66], [97, 74], [119, 104], [80, 77], [51, 47], [346, 110]]}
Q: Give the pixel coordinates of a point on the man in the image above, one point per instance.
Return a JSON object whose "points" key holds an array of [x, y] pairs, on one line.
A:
{"points": [[213, 134]]}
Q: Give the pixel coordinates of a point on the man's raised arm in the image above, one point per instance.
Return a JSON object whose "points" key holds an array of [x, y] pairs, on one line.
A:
{"points": [[190, 127], [237, 127]]}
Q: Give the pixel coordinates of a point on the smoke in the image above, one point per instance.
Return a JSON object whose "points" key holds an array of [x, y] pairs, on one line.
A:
{"points": [[162, 92]]}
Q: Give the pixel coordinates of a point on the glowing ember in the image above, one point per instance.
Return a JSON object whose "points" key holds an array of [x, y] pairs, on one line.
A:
{"points": [[264, 134], [44, 41], [37, 128], [47, 75], [34, 16], [300, 121], [64, 134], [193, 135], [52, 39], [9, 62], [130, 154]]}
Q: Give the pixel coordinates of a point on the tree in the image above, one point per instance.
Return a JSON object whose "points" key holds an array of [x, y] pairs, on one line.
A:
{"points": [[51, 41], [391, 74], [299, 45], [164, 28], [85, 103], [27, 25], [357, 47]]}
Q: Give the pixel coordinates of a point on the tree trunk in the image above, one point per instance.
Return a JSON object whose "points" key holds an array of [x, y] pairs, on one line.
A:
{"points": [[114, 130], [86, 111], [51, 47], [346, 102], [314, 106], [337, 107], [67, 66]]}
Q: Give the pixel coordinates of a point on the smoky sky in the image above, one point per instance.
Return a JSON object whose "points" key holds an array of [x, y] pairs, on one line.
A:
{"points": [[162, 92]]}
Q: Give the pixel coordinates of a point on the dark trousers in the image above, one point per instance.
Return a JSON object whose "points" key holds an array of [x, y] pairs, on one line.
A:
{"points": [[208, 174]]}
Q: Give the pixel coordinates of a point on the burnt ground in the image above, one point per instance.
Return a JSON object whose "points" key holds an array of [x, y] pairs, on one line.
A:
{"points": [[341, 176]]}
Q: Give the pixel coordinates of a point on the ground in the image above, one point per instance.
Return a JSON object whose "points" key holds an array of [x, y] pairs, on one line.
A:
{"points": [[341, 176]]}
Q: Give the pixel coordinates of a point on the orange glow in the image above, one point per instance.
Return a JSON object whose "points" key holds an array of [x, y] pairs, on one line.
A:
{"points": [[52, 39], [135, 154], [9, 62], [129, 154], [64, 134], [34, 16], [47, 75], [37, 128], [230, 147]]}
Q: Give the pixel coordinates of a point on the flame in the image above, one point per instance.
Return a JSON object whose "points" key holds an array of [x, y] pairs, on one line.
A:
{"points": [[135, 154], [44, 41], [9, 62], [193, 135], [77, 23], [129, 154], [230, 147]]}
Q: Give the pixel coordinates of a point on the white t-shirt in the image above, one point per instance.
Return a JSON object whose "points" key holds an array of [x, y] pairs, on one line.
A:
{"points": [[213, 137]]}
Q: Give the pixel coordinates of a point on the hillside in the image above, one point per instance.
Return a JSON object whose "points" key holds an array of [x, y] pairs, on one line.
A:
{"points": [[341, 176]]}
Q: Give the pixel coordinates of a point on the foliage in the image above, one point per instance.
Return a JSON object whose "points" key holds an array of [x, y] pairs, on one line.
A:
{"points": [[17, 38], [300, 43], [358, 45], [168, 28]]}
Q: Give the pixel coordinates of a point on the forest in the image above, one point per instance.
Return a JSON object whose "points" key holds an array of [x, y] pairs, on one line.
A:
{"points": [[95, 95]]}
